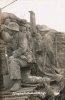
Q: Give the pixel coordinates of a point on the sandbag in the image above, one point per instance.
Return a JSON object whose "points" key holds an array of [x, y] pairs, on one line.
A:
{"points": [[6, 15]]}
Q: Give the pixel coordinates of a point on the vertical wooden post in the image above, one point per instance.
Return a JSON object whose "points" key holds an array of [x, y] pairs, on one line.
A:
{"points": [[56, 58], [1, 76], [0, 18], [32, 22]]}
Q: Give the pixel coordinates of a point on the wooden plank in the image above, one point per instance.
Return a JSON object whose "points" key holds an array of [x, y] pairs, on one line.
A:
{"points": [[14, 98], [0, 18]]}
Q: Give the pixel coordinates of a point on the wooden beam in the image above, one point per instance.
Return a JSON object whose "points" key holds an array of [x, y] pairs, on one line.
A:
{"points": [[32, 22], [0, 18], [1, 76]]}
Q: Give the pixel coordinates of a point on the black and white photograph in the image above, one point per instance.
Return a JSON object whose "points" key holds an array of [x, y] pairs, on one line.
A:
{"points": [[32, 49]]}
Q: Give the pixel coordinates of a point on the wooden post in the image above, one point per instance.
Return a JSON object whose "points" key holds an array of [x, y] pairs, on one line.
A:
{"points": [[32, 22], [33, 32], [0, 19], [1, 76]]}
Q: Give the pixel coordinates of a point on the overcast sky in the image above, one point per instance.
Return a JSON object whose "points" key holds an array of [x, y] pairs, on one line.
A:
{"points": [[48, 12]]}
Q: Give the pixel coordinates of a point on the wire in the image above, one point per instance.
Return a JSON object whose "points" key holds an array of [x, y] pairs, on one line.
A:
{"points": [[9, 4]]}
